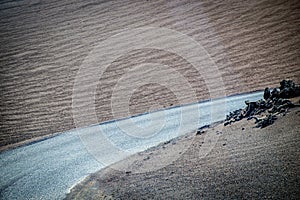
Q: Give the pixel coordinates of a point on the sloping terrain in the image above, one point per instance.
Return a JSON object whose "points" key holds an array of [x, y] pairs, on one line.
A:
{"points": [[44, 43], [245, 163]]}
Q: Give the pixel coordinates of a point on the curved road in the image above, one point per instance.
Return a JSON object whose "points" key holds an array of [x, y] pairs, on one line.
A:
{"points": [[49, 168]]}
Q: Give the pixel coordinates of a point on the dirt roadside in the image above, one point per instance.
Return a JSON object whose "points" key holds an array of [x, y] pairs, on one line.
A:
{"points": [[246, 162]]}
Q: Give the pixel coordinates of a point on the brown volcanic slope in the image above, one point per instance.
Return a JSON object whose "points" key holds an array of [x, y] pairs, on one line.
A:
{"points": [[43, 44], [244, 163]]}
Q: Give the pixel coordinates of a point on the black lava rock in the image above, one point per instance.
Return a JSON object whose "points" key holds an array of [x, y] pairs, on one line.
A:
{"points": [[267, 93], [274, 102]]}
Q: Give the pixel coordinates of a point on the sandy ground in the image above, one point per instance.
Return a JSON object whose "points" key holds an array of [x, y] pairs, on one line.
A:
{"points": [[244, 163], [44, 43]]}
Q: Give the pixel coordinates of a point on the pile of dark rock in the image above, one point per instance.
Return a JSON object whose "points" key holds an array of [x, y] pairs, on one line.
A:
{"points": [[275, 102]]}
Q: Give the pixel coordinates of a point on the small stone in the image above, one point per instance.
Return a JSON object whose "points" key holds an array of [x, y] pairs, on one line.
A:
{"points": [[199, 132], [146, 158], [167, 142], [227, 123]]}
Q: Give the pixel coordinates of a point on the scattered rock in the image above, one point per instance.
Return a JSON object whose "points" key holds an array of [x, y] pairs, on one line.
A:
{"points": [[227, 123], [146, 158], [167, 142], [266, 121], [275, 93], [267, 93], [288, 89], [274, 103], [201, 130]]}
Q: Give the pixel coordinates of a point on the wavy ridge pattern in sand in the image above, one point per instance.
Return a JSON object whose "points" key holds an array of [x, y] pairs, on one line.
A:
{"points": [[43, 43]]}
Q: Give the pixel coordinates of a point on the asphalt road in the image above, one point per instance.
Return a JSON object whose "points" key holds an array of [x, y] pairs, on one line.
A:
{"points": [[49, 168]]}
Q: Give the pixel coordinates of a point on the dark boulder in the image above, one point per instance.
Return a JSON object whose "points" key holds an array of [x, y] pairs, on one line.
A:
{"points": [[286, 84], [251, 106], [275, 93], [288, 89], [267, 93]]}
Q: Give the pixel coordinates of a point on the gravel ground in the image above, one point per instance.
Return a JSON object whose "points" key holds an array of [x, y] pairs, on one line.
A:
{"points": [[245, 163]]}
